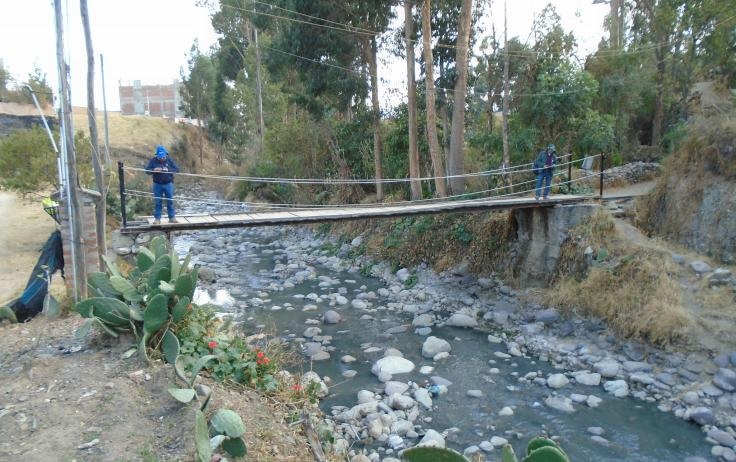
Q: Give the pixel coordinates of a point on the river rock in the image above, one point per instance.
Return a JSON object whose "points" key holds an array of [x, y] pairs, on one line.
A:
{"points": [[593, 401], [403, 274], [531, 329], [365, 396], [498, 441], [587, 378], [690, 397], [359, 304], [700, 267], [423, 320], [597, 431], [392, 365], [557, 381], [437, 380], [722, 437], [461, 320], [548, 316], [725, 379], [347, 359], [494, 339], [393, 386], [577, 398], [421, 395], [320, 356], [702, 415], [311, 332], [506, 412], [400, 402], [618, 388], [607, 368], [600, 440], [474, 393], [433, 345], [561, 403], [401, 427], [432, 439], [311, 376], [340, 300], [331, 317]]}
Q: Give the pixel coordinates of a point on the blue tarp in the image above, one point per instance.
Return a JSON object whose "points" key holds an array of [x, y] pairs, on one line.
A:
{"points": [[30, 303]]}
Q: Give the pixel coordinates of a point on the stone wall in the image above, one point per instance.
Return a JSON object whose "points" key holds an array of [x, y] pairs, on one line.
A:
{"points": [[540, 233]]}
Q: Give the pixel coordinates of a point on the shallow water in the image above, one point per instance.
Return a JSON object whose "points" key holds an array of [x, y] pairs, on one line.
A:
{"points": [[637, 431]]}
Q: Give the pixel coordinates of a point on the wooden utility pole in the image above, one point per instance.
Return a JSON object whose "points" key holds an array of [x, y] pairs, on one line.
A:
{"points": [[101, 202], [434, 145], [414, 170], [74, 210], [505, 117]]}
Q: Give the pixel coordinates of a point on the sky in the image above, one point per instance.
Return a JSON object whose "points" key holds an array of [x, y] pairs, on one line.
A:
{"points": [[148, 40]]}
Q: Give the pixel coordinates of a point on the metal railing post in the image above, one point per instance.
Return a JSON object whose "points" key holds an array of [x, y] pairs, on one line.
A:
{"points": [[121, 177], [603, 161]]}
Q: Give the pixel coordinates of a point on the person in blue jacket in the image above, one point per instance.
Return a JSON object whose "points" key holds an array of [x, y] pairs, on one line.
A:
{"points": [[162, 167], [544, 166]]}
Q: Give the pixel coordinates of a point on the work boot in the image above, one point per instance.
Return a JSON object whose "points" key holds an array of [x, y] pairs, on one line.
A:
{"points": [[157, 221], [173, 220]]}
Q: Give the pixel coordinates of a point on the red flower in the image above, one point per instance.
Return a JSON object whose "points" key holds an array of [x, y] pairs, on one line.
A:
{"points": [[260, 355], [212, 344], [262, 361], [297, 387]]}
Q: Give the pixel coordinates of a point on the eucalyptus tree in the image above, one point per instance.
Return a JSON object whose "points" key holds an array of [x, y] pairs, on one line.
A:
{"points": [[198, 90]]}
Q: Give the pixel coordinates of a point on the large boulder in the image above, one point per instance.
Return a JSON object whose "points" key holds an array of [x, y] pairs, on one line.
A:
{"points": [[392, 365], [433, 345]]}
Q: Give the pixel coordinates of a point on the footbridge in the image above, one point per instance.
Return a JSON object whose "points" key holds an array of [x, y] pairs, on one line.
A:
{"points": [[518, 194]]}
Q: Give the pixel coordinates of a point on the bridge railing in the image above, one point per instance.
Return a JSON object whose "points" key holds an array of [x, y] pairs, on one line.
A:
{"points": [[521, 172]]}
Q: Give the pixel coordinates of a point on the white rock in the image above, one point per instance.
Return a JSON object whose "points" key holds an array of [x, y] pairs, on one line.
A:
{"points": [[461, 320], [557, 381], [393, 386], [619, 388], [359, 304], [421, 395], [400, 402], [433, 345], [347, 359], [608, 368], [506, 411], [392, 365], [433, 439], [593, 401], [561, 403], [498, 441], [588, 378]]}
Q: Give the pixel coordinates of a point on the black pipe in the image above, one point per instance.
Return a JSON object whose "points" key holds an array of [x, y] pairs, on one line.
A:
{"points": [[121, 177]]}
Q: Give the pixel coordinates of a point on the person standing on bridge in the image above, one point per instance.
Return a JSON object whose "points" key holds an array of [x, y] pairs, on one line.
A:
{"points": [[544, 168], [162, 167]]}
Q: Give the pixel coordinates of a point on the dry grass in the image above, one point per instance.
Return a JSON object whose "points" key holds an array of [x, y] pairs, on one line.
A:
{"points": [[636, 298], [634, 289]]}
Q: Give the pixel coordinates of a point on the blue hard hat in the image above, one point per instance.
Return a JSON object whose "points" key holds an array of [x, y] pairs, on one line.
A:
{"points": [[161, 152]]}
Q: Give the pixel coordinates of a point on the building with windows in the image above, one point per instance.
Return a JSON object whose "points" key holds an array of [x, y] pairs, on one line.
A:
{"points": [[151, 100]]}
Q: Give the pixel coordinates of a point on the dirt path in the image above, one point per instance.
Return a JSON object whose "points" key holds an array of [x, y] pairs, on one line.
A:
{"points": [[24, 228]]}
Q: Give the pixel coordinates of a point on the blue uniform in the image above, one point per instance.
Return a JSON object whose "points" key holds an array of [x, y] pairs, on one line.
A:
{"points": [[163, 185]]}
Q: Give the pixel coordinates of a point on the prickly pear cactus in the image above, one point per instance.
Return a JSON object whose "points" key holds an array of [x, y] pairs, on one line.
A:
{"points": [[430, 454]]}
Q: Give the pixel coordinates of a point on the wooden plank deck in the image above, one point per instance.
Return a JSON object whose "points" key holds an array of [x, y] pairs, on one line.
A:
{"points": [[302, 216]]}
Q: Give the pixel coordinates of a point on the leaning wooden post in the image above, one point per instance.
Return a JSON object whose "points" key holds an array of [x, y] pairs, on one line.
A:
{"points": [[603, 161], [121, 178], [569, 173]]}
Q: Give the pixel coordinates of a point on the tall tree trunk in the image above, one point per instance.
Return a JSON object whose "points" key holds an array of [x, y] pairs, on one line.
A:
{"points": [[659, 102], [101, 202], [615, 31], [505, 121], [456, 164], [371, 55], [434, 145], [73, 190], [414, 171], [259, 87], [489, 106]]}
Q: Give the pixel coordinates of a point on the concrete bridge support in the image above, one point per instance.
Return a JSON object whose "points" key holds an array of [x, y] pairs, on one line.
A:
{"points": [[541, 231]]}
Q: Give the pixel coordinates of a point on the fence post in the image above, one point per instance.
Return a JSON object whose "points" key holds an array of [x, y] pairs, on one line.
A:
{"points": [[121, 178], [603, 161], [569, 174]]}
